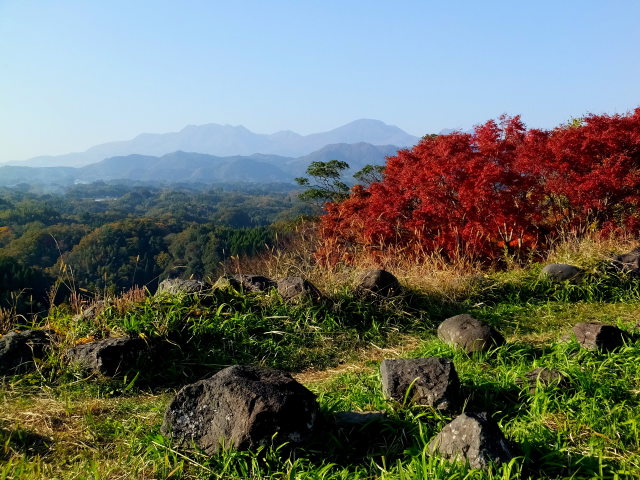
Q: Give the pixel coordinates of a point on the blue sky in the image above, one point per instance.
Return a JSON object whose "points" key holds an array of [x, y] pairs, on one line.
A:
{"points": [[77, 73]]}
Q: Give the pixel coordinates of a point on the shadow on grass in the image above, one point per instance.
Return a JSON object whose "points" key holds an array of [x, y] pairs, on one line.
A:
{"points": [[23, 442], [490, 397], [349, 439], [541, 461]]}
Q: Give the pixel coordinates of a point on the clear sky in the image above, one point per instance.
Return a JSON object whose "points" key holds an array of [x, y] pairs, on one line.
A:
{"points": [[77, 73]]}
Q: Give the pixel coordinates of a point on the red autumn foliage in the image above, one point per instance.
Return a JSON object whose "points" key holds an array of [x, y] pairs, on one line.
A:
{"points": [[502, 187]]}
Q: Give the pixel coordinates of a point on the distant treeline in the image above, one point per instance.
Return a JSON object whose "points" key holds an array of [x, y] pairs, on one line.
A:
{"points": [[112, 236]]}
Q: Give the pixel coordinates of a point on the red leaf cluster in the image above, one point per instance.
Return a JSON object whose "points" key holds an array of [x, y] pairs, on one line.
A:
{"points": [[501, 187]]}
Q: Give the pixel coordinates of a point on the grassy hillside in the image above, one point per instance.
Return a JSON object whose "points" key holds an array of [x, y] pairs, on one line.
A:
{"points": [[58, 423]]}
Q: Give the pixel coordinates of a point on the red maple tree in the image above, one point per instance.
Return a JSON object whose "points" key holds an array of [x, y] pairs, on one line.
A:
{"points": [[501, 187]]}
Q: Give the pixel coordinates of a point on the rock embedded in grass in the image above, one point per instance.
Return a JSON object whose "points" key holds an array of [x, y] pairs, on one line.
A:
{"points": [[379, 283], [596, 335], [429, 381], [544, 377], [560, 272], [628, 263], [243, 407], [110, 356], [474, 437], [176, 286], [297, 290], [19, 349], [469, 333]]}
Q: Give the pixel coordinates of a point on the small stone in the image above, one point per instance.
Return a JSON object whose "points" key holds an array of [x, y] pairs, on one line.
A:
{"points": [[596, 335], [429, 381], [19, 349], [177, 286], [559, 272], [241, 407], [378, 282], [250, 283], [110, 356], [469, 333], [544, 377], [474, 437], [297, 289]]}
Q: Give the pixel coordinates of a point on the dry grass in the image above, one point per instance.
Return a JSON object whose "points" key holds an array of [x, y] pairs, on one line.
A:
{"points": [[79, 435], [431, 273], [123, 302], [587, 250]]}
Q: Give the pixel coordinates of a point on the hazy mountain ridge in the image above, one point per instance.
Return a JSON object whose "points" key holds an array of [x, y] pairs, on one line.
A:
{"points": [[227, 140], [190, 167]]}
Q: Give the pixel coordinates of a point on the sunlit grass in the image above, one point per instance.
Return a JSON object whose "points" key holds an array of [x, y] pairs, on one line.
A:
{"points": [[60, 423]]}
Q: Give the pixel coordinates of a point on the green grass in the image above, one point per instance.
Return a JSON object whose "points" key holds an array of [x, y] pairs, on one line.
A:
{"points": [[56, 424]]}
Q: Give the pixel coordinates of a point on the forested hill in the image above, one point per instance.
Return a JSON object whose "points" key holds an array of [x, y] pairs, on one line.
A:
{"points": [[198, 168], [102, 237]]}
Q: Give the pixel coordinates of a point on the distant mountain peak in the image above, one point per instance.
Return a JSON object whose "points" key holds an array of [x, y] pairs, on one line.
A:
{"points": [[230, 140]]}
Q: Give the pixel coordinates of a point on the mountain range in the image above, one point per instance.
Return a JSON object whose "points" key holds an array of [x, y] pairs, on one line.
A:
{"points": [[187, 167], [227, 140]]}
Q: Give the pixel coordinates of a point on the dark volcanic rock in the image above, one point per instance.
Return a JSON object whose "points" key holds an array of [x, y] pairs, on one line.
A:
{"points": [[628, 263], [255, 283], [243, 406], [596, 335], [378, 282], [544, 377], [474, 437], [18, 349], [297, 289], [559, 272], [110, 356], [424, 381], [175, 286], [469, 333]]}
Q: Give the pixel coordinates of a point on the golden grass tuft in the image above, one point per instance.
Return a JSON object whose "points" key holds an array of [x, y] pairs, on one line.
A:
{"points": [[587, 250], [430, 273]]}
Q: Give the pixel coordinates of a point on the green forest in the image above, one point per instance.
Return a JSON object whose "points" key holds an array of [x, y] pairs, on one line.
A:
{"points": [[111, 237]]}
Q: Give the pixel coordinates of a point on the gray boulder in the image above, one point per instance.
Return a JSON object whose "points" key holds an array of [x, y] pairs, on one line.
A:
{"points": [[243, 407], [544, 377], [423, 381], [177, 286], [472, 437], [379, 283], [110, 356], [559, 272], [596, 335], [19, 349], [297, 289], [469, 333]]}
